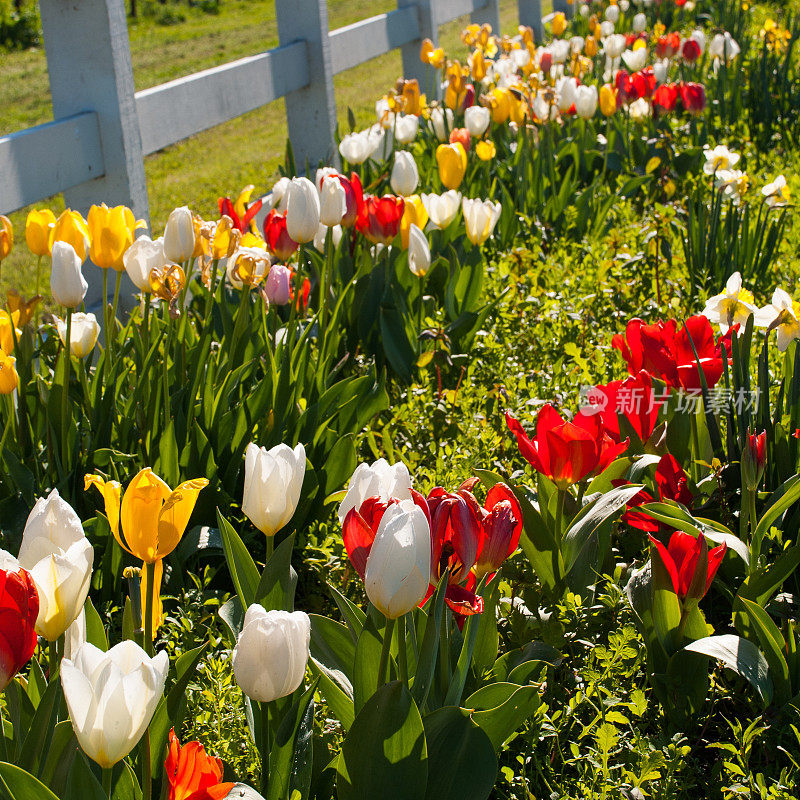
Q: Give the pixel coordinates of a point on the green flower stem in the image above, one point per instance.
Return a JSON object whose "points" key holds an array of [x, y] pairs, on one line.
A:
{"points": [[264, 743], [65, 394], [107, 776], [149, 602], [387, 645], [401, 648]]}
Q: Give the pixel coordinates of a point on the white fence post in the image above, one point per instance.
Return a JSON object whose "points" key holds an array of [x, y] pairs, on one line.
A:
{"points": [[530, 14], [311, 111], [427, 76], [489, 13], [89, 61]]}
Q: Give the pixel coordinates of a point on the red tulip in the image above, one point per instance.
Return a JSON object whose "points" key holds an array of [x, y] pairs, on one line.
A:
{"points": [[566, 452], [665, 98], [461, 135], [226, 208], [667, 46], [354, 198], [379, 218], [456, 524], [645, 82], [690, 565], [693, 97], [19, 607], [690, 51], [359, 529], [666, 352], [626, 92], [635, 399], [754, 459], [277, 237], [672, 483], [501, 529], [193, 774]]}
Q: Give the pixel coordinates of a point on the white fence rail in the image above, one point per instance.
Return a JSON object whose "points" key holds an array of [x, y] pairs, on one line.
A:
{"points": [[94, 149]]}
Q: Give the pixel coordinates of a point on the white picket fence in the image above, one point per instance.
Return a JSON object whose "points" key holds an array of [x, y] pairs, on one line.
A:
{"points": [[94, 149]]}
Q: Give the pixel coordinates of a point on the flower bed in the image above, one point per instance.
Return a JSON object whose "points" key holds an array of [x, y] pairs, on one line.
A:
{"points": [[302, 502]]}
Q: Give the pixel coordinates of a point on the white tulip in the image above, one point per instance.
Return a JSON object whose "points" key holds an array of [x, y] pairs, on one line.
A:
{"points": [[419, 252], [332, 201], [520, 57], [279, 196], [272, 483], [59, 557], [179, 235], [112, 697], [660, 69], [322, 173], [67, 284], [322, 234], [357, 147], [614, 45], [480, 218], [141, 258], [75, 636], [576, 45], [724, 47], [379, 479], [260, 263], [83, 333], [639, 23], [606, 28], [399, 562], [302, 210], [384, 116], [635, 60], [624, 5], [586, 100], [560, 50], [566, 88], [640, 109], [700, 38], [405, 175], [476, 120], [442, 208], [406, 128], [270, 657], [612, 14], [438, 118]]}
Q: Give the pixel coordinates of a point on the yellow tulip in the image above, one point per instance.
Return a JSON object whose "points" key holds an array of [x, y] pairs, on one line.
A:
{"points": [[202, 245], [478, 65], [149, 520], [225, 238], [20, 307], [431, 55], [590, 48], [240, 206], [485, 150], [253, 240], [413, 213], [559, 23], [9, 330], [518, 109], [608, 100], [500, 103], [38, 225], [452, 161], [6, 237], [72, 228], [111, 231], [526, 34], [9, 380]]}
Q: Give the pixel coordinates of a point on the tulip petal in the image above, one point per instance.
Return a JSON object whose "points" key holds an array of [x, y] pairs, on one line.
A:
{"points": [[140, 511], [175, 515], [111, 492]]}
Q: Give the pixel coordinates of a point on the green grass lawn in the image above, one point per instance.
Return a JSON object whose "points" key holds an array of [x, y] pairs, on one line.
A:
{"points": [[223, 159]]}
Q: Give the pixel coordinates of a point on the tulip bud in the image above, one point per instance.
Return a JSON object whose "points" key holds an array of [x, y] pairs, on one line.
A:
{"points": [[38, 226], [302, 210], [83, 334], [67, 284], [112, 697], [59, 557], [399, 563], [405, 175], [419, 252], [141, 258], [73, 229], [452, 161], [586, 100], [270, 657], [441, 128], [20, 601], [754, 460], [272, 483], [608, 100], [279, 285], [480, 218], [332, 201], [639, 23], [476, 120], [279, 196], [179, 238]]}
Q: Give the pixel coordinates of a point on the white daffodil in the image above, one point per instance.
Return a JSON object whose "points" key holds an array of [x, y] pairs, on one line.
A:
{"points": [[781, 315], [776, 193], [719, 158], [731, 307]]}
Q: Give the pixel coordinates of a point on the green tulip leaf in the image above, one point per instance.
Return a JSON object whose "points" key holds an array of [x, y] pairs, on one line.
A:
{"points": [[385, 754], [278, 581], [20, 785], [740, 655], [461, 759], [366, 664], [500, 708], [337, 691], [244, 572]]}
